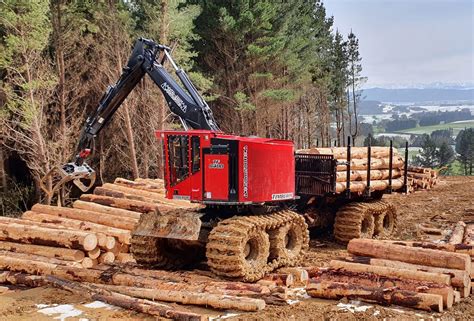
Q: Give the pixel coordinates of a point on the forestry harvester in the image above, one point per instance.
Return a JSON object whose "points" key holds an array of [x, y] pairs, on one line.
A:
{"points": [[255, 192]]}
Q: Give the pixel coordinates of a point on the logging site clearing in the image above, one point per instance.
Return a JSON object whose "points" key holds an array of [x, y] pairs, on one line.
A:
{"points": [[427, 216]]}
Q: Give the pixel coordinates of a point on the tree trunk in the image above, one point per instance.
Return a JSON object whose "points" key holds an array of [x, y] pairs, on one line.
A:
{"points": [[124, 301], [94, 207], [47, 236], [124, 223], [184, 297], [374, 281], [140, 185], [459, 279], [122, 235], [46, 251], [392, 272], [126, 204], [383, 250], [337, 290], [3, 173], [375, 185]]}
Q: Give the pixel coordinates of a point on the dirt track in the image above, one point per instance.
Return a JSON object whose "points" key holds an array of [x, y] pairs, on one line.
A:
{"points": [[440, 207]]}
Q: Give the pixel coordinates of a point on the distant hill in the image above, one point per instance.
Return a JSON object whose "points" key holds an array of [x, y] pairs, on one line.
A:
{"points": [[370, 107], [413, 95]]}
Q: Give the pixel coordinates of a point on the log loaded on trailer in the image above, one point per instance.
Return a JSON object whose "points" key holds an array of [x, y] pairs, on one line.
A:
{"points": [[253, 191]]}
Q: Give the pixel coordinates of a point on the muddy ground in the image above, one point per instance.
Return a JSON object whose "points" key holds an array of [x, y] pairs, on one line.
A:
{"points": [[439, 207]]}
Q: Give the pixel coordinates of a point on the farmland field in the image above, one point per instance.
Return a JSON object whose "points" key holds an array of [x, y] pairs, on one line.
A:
{"points": [[457, 127]]}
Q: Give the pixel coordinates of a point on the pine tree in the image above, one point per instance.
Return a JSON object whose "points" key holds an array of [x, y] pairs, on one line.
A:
{"points": [[465, 149], [445, 154], [355, 80]]}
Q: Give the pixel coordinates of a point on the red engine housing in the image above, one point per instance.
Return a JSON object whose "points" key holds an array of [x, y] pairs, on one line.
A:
{"points": [[214, 168]]}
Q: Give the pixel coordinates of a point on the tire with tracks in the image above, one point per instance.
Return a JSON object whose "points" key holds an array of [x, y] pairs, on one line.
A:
{"points": [[247, 247], [364, 220]]}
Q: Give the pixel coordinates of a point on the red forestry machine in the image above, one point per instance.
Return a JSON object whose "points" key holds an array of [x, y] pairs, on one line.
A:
{"points": [[255, 190]]}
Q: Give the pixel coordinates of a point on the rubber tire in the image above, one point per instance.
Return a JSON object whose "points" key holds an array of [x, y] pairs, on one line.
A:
{"points": [[354, 221]]}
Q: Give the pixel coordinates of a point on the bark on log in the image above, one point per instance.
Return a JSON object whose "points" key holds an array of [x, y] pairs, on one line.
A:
{"points": [[392, 272], [48, 236], [94, 207], [337, 290], [124, 301], [340, 153], [105, 275], [122, 235], [459, 278], [154, 197], [430, 230], [383, 250], [184, 297], [140, 185], [457, 235], [281, 279], [375, 281], [39, 258], [117, 194], [458, 248], [126, 204], [361, 175], [157, 182], [418, 169], [47, 251], [379, 185], [73, 213], [375, 163], [16, 278]]}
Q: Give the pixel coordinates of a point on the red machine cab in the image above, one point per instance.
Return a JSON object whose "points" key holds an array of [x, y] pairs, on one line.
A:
{"points": [[213, 168]]}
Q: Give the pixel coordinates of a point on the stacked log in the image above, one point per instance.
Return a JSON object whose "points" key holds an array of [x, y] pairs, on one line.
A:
{"points": [[358, 175], [421, 178], [97, 229], [411, 274]]}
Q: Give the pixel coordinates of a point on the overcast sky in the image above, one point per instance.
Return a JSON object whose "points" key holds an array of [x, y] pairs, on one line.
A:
{"points": [[407, 42]]}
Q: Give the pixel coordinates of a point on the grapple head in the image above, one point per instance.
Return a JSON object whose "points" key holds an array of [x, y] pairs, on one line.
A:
{"points": [[83, 176]]}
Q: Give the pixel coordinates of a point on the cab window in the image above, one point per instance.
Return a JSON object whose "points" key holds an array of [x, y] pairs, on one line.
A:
{"points": [[178, 158]]}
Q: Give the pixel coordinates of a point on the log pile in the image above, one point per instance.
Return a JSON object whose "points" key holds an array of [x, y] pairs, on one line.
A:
{"points": [[85, 249], [379, 167], [421, 178], [97, 229], [419, 275]]}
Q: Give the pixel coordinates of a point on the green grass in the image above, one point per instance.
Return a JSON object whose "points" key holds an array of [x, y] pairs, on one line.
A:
{"points": [[457, 127]]}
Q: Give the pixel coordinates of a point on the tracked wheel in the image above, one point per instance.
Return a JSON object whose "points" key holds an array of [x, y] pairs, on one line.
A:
{"points": [[386, 220], [164, 253], [355, 220], [289, 242], [240, 247]]}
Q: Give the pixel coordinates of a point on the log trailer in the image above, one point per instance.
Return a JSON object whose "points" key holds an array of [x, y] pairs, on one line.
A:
{"points": [[255, 192]]}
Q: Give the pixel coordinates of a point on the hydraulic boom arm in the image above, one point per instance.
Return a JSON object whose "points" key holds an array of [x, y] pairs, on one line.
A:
{"points": [[186, 103]]}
